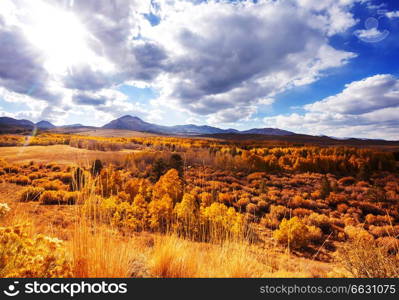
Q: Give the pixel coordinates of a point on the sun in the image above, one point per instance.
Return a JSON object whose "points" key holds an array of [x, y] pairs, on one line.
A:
{"points": [[62, 37]]}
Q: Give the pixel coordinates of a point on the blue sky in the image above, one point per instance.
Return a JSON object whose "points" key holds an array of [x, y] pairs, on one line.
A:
{"points": [[318, 67]]}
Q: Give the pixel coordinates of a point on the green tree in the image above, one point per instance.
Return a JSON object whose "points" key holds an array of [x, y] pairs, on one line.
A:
{"points": [[158, 169], [96, 167], [176, 162]]}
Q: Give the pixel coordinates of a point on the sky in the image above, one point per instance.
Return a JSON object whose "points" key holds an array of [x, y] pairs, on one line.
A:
{"points": [[326, 67]]}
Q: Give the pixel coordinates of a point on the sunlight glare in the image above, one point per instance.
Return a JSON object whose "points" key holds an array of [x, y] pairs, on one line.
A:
{"points": [[62, 38]]}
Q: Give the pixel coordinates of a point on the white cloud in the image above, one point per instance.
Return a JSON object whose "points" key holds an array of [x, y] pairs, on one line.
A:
{"points": [[225, 57], [365, 108], [393, 14], [372, 93]]}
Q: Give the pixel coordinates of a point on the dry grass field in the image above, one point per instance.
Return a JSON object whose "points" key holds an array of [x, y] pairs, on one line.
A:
{"points": [[62, 154], [101, 132]]}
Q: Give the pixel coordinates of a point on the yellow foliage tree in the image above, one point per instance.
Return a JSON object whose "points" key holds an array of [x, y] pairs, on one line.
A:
{"points": [[186, 213], [293, 233], [169, 184], [220, 222], [161, 213]]}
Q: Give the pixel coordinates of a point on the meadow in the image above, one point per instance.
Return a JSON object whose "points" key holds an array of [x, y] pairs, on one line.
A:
{"points": [[79, 205]]}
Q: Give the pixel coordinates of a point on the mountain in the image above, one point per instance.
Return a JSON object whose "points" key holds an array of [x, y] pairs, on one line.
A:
{"points": [[6, 121], [267, 131], [72, 126], [44, 125], [10, 125], [194, 129], [137, 124]]}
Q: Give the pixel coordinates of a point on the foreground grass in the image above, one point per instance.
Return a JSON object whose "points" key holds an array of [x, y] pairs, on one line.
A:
{"points": [[97, 250]]}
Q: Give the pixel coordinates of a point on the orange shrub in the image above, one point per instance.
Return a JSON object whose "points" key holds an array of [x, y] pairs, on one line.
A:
{"points": [[346, 181], [226, 198], [206, 199], [279, 212], [55, 185], [301, 212], [31, 193], [251, 208], [58, 197], [242, 203], [379, 220], [358, 234], [256, 175], [20, 180], [293, 233]]}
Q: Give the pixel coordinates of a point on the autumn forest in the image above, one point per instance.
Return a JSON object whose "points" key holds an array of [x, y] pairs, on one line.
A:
{"points": [[157, 206]]}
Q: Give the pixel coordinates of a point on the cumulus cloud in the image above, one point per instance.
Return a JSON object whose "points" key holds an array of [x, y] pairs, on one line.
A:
{"points": [[367, 108], [359, 97], [231, 56], [218, 59], [21, 65]]}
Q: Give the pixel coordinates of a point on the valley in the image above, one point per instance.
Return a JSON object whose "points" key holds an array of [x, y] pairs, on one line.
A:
{"points": [[144, 205]]}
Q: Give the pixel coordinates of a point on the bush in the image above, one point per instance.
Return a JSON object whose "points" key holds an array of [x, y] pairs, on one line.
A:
{"points": [[206, 199], [242, 203], [226, 198], [65, 178], [346, 181], [293, 233], [358, 234], [31, 193], [55, 185], [364, 258], [379, 220], [279, 212], [58, 197], [20, 180], [262, 206], [251, 208], [71, 197], [37, 256], [24, 256], [321, 221]]}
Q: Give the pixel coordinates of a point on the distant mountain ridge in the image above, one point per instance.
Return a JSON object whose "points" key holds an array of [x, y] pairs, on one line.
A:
{"points": [[10, 125], [44, 125], [132, 123], [136, 124], [8, 122]]}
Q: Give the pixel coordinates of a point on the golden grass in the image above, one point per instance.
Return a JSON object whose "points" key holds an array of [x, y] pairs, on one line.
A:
{"points": [[62, 154], [100, 252], [95, 249], [173, 257]]}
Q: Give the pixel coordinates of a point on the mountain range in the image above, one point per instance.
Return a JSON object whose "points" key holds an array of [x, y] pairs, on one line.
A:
{"points": [[136, 124], [131, 123]]}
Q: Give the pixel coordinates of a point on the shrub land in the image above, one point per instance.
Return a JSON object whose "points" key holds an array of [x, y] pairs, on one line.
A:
{"points": [[250, 208]]}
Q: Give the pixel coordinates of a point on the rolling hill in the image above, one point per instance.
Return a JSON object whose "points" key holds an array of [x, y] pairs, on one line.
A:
{"points": [[136, 124]]}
